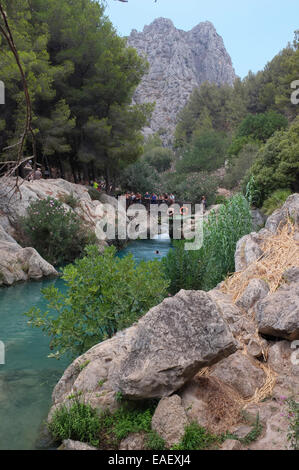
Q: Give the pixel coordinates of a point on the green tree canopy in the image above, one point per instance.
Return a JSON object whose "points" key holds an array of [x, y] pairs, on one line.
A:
{"points": [[81, 75], [277, 163]]}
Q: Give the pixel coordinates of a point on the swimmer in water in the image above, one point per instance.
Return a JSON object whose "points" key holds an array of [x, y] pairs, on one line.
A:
{"points": [[157, 252]]}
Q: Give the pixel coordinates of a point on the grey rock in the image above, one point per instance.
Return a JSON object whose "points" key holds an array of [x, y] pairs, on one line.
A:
{"points": [[258, 219], [239, 323], [256, 290], [153, 358], [240, 373], [21, 264], [291, 275], [170, 420], [174, 341], [248, 250], [290, 209], [256, 348], [134, 441], [278, 314], [231, 444], [68, 444], [179, 62]]}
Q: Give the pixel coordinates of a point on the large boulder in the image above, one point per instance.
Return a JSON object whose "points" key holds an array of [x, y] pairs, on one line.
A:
{"points": [[173, 341], [20, 264], [278, 314], [153, 358], [240, 324]]}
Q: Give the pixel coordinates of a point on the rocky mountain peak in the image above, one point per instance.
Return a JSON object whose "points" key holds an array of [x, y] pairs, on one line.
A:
{"points": [[179, 61]]}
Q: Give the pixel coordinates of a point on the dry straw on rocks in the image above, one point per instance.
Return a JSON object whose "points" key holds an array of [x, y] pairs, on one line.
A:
{"points": [[280, 252]]}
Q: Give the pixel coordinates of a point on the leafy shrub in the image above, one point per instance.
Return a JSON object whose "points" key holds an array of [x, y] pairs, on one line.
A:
{"points": [[56, 233], [79, 422], [252, 192], [221, 234], [262, 126], [196, 438], [239, 165], [275, 201], [125, 421], [190, 188], [239, 143], [105, 294], [140, 177], [277, 165], [220, 199], [206, 267], [160, 158], [154, 441], [206, 152]]}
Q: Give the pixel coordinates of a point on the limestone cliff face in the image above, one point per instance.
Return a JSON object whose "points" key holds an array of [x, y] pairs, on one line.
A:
{"points": [[179, 62]]}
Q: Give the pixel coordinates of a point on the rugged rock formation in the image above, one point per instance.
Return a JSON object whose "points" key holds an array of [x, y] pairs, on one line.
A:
{"points": [[176, 352], [173, 341], [21, 264], [179, 62], [154, 357]]}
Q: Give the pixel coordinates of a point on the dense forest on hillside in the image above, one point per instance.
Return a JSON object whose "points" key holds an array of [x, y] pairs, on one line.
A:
{"points": [[81, 79]]}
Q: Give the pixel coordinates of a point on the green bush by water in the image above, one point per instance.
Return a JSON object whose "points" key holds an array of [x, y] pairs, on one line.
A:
{"points": [[105, 294], [55, 232]]}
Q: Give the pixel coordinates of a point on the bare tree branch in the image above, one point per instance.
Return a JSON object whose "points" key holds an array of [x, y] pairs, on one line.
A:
{"points": [[12, 167]]}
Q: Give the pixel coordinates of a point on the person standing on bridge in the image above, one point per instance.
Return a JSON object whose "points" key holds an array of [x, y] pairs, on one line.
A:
{"points": [[154, 198]]}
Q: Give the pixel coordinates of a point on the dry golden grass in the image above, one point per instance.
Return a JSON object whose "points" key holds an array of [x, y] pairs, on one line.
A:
{"points": [[224, 406], [280, 252]]}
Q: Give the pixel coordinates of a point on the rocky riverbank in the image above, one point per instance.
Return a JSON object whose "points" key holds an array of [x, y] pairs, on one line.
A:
{"points": [[221, 358], [21, 264]]}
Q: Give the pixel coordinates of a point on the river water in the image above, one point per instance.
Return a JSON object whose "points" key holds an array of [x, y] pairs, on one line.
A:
{"points": [[28, 376]]}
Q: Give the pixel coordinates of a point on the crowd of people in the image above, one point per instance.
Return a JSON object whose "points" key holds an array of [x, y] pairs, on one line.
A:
{"points": [[150, 198], [31, 173]]}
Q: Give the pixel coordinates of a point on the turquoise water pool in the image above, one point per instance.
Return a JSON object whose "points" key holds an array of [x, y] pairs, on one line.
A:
{"points": [[28, 376]]}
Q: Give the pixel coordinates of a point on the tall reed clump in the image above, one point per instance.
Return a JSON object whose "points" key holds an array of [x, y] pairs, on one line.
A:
{"points": [[206, 267]]}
